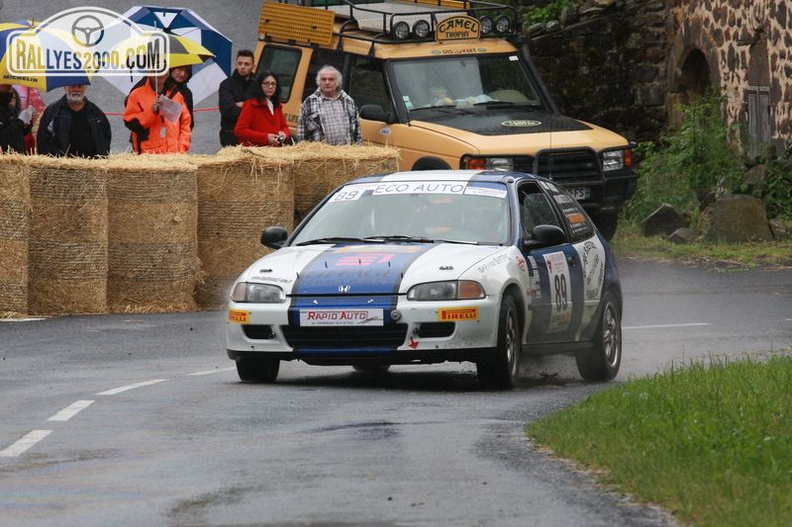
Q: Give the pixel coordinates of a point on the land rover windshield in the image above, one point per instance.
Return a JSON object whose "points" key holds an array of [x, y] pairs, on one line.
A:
{"points": [[465, 82]]}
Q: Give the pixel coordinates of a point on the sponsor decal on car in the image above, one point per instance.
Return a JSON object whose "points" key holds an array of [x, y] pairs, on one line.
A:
{"points": [[457, 314], [238, 317], [341, 317]]}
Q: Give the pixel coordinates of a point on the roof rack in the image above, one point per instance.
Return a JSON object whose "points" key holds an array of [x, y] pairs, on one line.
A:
{"points": [[397, 21]]}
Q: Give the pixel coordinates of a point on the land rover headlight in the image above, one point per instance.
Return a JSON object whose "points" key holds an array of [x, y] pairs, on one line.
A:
{"points": [[616, 159], [257, 293], [421, 29], [486, 25], [487, 163], [448, 290], [502, 24], [401, 30]]}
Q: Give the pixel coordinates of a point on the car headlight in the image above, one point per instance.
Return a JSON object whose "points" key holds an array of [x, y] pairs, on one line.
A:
{"points": [[257, 293], [487, 163], [450, 290], [616, 159]]}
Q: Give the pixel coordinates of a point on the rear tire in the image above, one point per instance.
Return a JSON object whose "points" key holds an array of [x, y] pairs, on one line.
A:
{"points": [[602, 361], [502, 370], [258, 370]]}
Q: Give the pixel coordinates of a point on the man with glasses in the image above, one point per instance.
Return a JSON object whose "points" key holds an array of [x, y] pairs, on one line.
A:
{"points": [[329, 114]]}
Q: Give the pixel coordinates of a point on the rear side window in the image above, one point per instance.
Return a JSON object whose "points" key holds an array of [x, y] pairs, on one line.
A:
{"points": [[283, 62], [366, 83], [321, 57]]}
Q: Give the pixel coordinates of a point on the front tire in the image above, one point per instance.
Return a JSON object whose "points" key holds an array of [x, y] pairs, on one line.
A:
{"points": [[258, 370], [602, 361], [502, 370], [374, 367]]}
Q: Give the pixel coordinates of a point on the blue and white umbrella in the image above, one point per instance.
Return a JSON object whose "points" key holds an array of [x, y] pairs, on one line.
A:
{"points": [[206, 77]]}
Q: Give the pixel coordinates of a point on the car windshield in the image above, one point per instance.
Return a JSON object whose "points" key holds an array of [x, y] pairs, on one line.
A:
{"points": [[419, 211], [463, 82]]}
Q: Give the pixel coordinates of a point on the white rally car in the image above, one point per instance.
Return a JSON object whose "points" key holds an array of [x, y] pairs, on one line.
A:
{"points": [[432, 266]]}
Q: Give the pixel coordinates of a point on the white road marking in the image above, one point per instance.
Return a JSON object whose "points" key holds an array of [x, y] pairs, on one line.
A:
{"points": [[71, 410], [659, 326], [29, 440], [130, 387], [209, 372]]}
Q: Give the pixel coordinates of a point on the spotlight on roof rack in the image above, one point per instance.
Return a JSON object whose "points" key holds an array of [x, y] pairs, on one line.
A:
{"points": [[401, 30], [421, 29], [486, 25], [502, 24]]}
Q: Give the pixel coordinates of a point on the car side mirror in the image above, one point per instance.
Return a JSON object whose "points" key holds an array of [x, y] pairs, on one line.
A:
{"points": [[375, 112], [274, 237], [545, 236]]}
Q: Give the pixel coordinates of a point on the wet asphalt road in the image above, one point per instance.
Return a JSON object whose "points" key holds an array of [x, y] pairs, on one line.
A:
{"points": [[145, 421]]}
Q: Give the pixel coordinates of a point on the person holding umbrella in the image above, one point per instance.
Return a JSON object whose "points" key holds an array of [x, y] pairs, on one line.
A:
{"points": [[155, 113], [74, 126], [261, 122]]}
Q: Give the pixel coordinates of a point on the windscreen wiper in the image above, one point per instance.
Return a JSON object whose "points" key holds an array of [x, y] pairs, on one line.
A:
{"points": [[399, 238], [332, 239]]}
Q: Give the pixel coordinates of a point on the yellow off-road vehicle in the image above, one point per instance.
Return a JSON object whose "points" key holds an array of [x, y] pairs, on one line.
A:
{"points": [[446, 82]]}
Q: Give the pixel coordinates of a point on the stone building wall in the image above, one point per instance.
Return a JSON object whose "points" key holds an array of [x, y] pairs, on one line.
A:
{"points": [[627, 64]]}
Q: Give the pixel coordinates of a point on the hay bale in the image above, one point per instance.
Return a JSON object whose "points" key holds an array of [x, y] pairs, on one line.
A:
{"points": [[319, 168], [152, 249], [238, 196], [14, 232], [68, 235]]}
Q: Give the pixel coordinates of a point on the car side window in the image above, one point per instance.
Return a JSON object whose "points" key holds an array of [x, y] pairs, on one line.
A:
{"points": [[535, 209], [367, 83], [283, 62], [575, 218]]}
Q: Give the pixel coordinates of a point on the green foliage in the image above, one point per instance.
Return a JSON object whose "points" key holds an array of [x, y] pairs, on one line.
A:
{"points": [[711, 442], [698, 156], [551, 11], [777, 191]]}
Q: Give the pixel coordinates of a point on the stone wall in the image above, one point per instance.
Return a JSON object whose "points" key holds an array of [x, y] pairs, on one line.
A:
{"points": [[626, 64]]}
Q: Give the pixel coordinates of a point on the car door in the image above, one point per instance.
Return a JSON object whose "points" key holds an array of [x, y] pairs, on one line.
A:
{"points": [[556, 292]]}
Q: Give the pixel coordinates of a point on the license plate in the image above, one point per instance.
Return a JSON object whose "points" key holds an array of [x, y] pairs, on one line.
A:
{"points": [[580, 193], [342, 317]]}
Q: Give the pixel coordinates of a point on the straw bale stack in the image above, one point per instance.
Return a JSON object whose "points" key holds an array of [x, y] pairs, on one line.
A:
{"points": [[319, 168], [14, 232], [152, 216], [239, 194], [68, 235]]}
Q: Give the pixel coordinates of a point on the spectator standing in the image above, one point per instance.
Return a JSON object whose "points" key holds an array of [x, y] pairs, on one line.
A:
{"points": [[155, 130], [180, 76], [74, 126], [233, 92], [329, 114], [29, 140], [12, 124], [261, 122]]}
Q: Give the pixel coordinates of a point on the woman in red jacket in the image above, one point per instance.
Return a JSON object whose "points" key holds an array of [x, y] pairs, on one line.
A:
{"points": [[261, 122]]}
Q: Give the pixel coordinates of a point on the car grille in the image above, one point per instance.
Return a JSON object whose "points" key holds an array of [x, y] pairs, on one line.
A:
{"points": [[346, 337], [436, 329], [560, 165], [258, 332]]}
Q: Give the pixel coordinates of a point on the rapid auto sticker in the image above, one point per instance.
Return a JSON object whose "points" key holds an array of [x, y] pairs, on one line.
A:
{"points": [[341, 317], [560, 291], [592, 254]]}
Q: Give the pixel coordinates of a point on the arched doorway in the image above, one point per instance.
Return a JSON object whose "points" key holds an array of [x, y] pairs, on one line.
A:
{"points": [[693, 80]]}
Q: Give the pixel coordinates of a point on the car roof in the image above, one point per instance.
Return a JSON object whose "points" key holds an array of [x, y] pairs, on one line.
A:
{"points": [[490, 176]]}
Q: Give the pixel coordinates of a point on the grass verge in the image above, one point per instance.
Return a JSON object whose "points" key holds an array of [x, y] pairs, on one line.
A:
{"points": [[712, 444], [630, 243]]}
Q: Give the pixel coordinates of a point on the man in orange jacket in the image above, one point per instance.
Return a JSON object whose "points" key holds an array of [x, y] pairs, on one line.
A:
{"points": [[156, 130]]}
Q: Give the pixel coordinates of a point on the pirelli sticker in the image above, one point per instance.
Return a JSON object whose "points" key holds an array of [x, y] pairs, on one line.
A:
{"points": [[238, 317], [458, 314], [458, 28]]}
